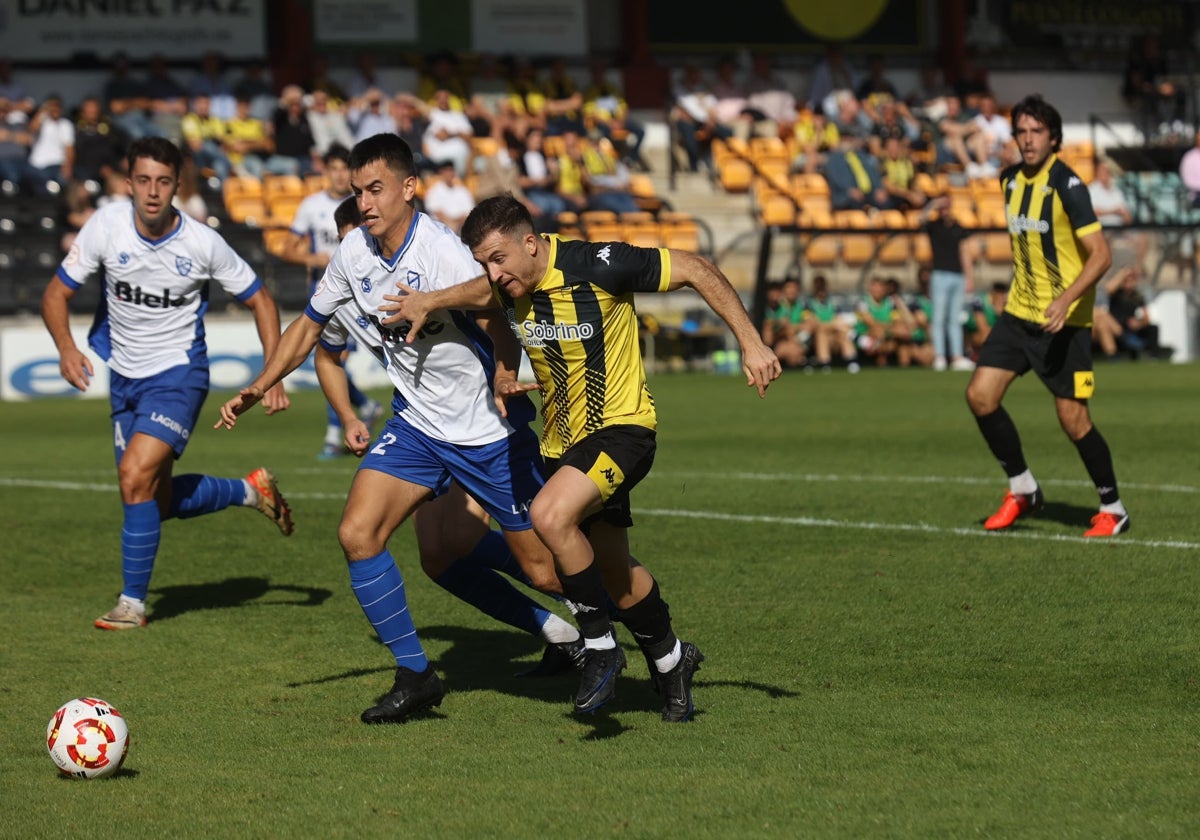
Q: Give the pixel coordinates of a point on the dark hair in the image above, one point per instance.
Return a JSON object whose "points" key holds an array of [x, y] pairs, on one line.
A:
{"points": [[336, 152], [158, 149], [347, 214], [1042, 111], [500, 213], [389, 148]]}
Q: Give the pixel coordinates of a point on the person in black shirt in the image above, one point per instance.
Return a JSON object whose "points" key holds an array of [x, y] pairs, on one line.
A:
{"points": [[952, 278]]}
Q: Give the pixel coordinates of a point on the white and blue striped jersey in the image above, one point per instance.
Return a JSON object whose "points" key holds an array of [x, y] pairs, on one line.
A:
{"points": [[443, 380], [314, 221], [151, 314]]}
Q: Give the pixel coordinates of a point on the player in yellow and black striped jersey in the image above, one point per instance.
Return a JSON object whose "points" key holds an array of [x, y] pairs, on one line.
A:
{"points": [[571, 305], [1059, 254]]}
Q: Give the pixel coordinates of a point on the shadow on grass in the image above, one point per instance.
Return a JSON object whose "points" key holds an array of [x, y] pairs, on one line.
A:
{"points": [[232, 592]]}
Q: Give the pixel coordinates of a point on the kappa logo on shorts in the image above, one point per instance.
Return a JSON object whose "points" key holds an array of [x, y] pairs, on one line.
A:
{"points": [[606, 475], [1085, 384]]}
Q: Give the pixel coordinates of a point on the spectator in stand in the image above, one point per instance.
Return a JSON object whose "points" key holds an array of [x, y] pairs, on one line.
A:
{"points": [[323, 82], [292, 132], [1189, 171], [732, 108], [1107, 199], [447, 199], [168, 99], [906, 327], [210, 81], [526, 96], [14, 92], [876, 89], [441, 72], [954, 130], [188, 198], [893, 120], [126, 99], [816, 136], [327, 123], [99, 144], [971, 84], [367, 78], [850, 118], [605, 178], [1160, 104], [830, 75], [539, 179], [564, 101], [500, 173], [769, 101], [695, 117], [254, 88], [15, 140], [369, 115], [787, 331], [1139, 335], [52, 156], [920, 306], [203, 137], [876, 312], [250, 147], [854, 179], [899, 175], [448, 135], [829, 330], [409, 116], [992, 144], [984, 312], [606, 112], [952, 279]]}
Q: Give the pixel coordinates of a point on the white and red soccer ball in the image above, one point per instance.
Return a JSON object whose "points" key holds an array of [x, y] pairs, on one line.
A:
{"points": [[87, 738]]}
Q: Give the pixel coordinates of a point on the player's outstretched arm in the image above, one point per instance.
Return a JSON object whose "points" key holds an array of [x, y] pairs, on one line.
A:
{"points": [[266, 320], [413, 306], [73, 363], [331, 373], [758, 360], [507, 352], [293, 348]]}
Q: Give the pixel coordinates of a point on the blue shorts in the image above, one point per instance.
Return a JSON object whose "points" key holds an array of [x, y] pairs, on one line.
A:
{"points": [[166, 406], [503, 476]]}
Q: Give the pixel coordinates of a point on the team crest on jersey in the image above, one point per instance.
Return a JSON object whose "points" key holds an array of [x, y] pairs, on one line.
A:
{"points": [[183, 265], [366, 285], [123, 258], [413, 279], [72, 255]]}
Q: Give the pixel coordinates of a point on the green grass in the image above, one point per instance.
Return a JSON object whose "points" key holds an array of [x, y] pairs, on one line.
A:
{"points": [[877, 665]]}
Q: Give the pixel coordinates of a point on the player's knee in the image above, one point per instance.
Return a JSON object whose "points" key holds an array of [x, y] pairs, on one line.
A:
{"points": [[549, 520], [358, 541], [980, 400]]}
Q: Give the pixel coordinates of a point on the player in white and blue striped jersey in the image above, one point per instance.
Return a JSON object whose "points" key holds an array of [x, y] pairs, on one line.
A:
{"points": [[446, 424], [156, 265]]}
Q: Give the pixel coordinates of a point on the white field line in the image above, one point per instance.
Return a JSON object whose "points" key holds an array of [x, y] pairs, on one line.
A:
{"points": [[719, 516]]}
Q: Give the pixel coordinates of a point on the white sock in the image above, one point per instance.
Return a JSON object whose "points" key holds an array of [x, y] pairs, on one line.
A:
{"points": [[605, 642], [1024, 484], [1115, 508], [556, 631], [137, 603], [333, 435], [670, 660], [251, 497]]}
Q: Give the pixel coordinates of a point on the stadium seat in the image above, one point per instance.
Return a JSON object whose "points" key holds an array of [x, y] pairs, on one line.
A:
{"points": [[895, 250], [683, 235], [809, 183], [603, 231], [852, 219], [997, 248], [274, 240], [313, 183], [235, 186], [894, 219], [735, 175], [858, 249], [593, 217], [641, 234], [821, 251], [777, 210], [277, 186], [247, 210], [282, 209], [921, 251]]}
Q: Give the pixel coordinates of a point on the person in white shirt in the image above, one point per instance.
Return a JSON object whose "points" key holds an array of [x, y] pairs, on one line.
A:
{"points": [[53, 153], [448, 135], [328, 123], [447, 199], [992, 143], [446, 422], [156, 265]]}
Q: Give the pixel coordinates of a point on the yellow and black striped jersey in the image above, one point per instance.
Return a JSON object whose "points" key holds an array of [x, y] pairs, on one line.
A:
{"points": [[1048, 214], [580, 330]]}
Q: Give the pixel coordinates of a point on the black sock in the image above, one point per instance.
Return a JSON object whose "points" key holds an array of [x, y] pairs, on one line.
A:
{"points": [[1097, 459], [649, 620], [1001, 435], [586, 590]]}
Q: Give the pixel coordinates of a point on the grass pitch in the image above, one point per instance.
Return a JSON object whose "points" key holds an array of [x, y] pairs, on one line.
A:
{"points": [[877, 665]]}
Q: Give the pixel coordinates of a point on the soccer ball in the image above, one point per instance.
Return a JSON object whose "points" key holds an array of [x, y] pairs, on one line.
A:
{"points": [[87, 739]]}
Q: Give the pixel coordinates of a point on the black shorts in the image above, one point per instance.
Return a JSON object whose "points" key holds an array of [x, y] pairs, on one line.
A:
{"points": [[1062, 360], [615, 458]]}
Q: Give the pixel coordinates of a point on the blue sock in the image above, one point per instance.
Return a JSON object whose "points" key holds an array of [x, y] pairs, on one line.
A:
{"points": [[357, 398], [492, 595], [331, 417], [379, 589], [139, 546], [196, 495]]}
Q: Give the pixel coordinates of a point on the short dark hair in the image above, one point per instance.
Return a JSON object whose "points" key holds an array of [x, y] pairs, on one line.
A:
{"points": [[500, 213], [347, 214], [1042, 111], [158, 149], [336, 152], [389, 148]]}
